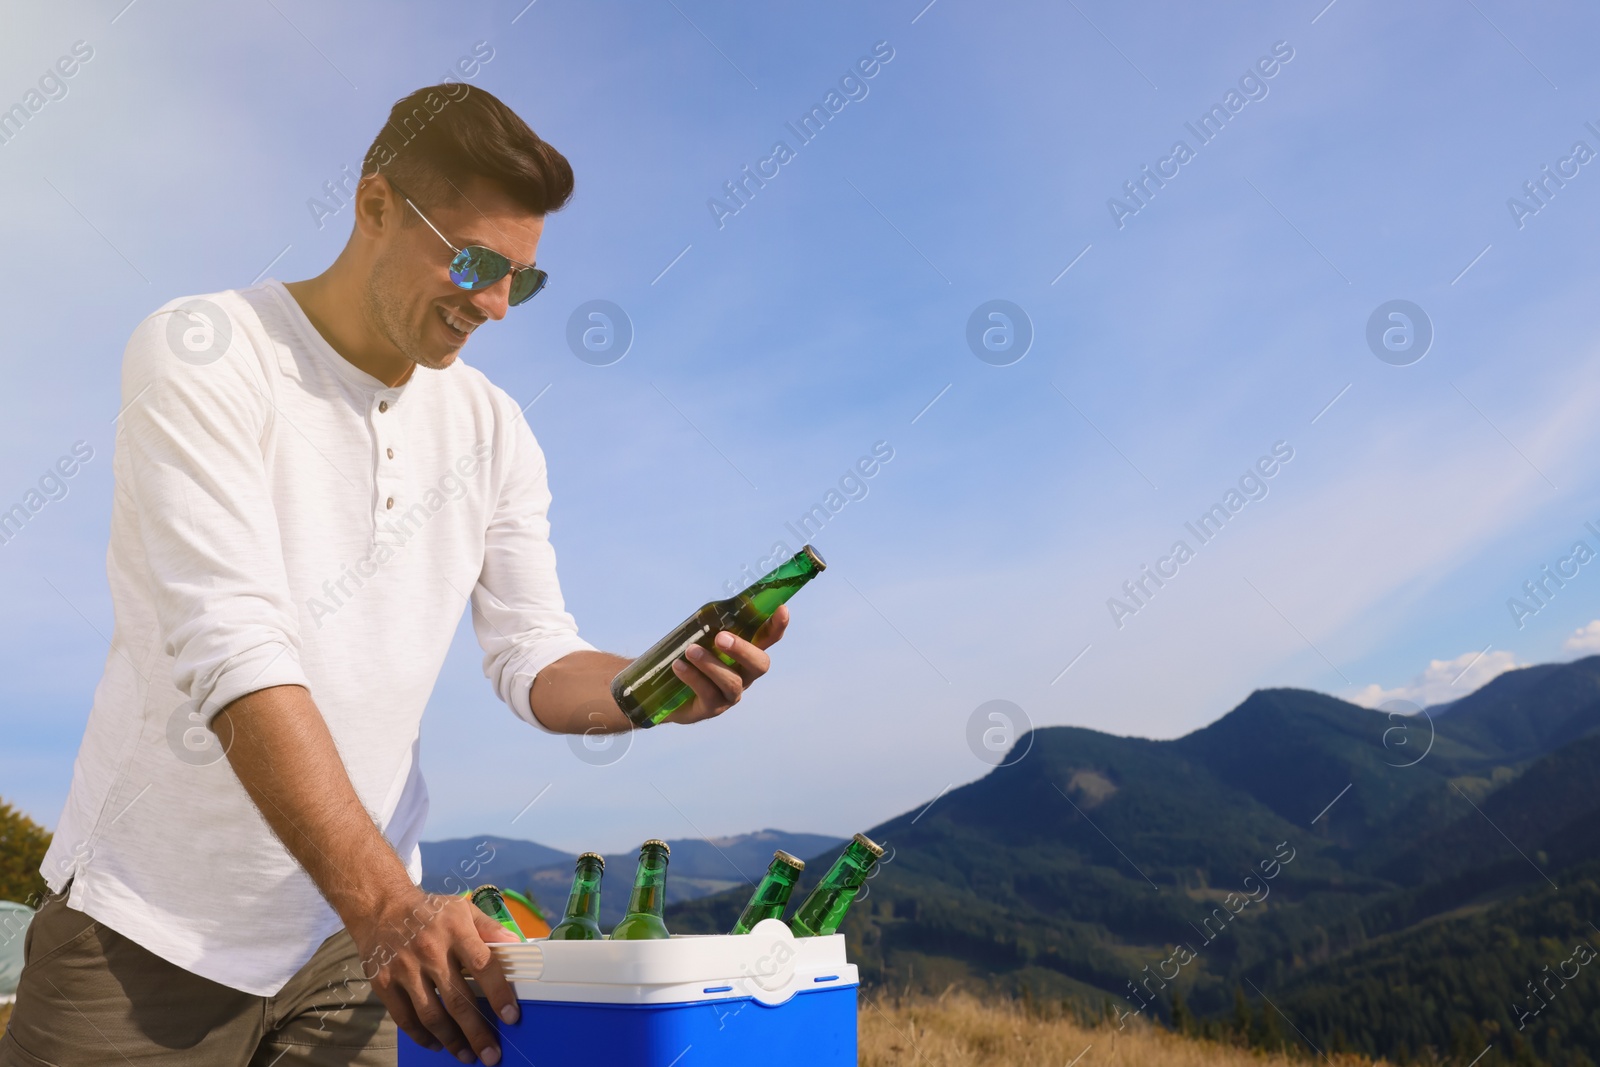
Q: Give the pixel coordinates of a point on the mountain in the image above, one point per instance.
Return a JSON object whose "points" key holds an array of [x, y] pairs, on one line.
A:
{"points": [[466, 862], [699, 866], [1551, 812], [1523, 714], [1512, 975], [1297, 847]]}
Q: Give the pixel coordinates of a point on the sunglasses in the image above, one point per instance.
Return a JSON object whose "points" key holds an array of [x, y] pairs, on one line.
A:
{"points": [[476, 267]]}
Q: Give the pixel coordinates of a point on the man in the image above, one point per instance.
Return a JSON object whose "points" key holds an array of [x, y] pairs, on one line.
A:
{"points": [[309, 484]]}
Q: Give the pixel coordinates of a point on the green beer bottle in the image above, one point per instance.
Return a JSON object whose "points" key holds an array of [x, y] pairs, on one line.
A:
{"points": [[492, 904], [824, 909], [583, 905], [643, 921], [648, 691], [772, 895]]}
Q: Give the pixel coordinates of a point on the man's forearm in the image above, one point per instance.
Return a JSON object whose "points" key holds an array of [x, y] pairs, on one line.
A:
{"points": [[573, 694], [280, 747], [413, 946]]}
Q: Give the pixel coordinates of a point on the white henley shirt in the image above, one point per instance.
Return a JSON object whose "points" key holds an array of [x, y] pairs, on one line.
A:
{"points": [[283, 518]]}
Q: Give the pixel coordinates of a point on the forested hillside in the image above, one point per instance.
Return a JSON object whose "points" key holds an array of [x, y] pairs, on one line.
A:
{"points": [[22, 846], [1392, 885]]}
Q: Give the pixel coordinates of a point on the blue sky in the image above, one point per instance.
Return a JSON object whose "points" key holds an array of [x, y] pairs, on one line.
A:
{"points": [[1228, 314]]}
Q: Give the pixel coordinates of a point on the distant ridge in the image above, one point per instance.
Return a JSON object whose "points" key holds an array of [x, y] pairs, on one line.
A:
{"points": [[1525, 713], [1418, 844]]}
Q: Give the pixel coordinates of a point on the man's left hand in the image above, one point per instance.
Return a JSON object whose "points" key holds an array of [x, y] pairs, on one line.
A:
{"points": [[717, 685]]}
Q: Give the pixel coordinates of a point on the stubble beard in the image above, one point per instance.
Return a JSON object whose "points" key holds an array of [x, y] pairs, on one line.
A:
{"points": [[385, 307]]}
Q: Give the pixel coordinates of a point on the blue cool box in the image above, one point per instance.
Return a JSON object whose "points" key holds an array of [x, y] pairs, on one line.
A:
{"points": [[686, 1001]]}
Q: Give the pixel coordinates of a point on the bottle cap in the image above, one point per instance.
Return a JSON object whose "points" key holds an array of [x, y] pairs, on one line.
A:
{"points": [[488, 899], [816, 557], [601, 860], [658, 842], [871, 846], [793, 861]]}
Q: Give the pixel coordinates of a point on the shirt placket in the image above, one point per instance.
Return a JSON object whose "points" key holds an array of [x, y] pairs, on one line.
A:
{"points": [[383, 423]]}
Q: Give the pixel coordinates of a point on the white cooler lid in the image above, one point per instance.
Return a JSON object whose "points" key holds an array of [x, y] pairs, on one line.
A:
{"points": [[769, 964]]}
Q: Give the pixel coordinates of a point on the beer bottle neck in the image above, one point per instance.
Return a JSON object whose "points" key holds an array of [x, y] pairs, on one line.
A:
{"points": [[777, 885], [783, 873], [858, 858], [584, 903], [649, 885], [825, 907], [772, 589], [850, 869], [770, 898]]}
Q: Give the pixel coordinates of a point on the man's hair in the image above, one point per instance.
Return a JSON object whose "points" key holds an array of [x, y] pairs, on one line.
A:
{"points": [[440, 137]]}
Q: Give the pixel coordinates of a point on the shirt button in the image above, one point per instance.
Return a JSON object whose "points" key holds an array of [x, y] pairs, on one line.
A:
{"points": [[391, 453], [390, 504], [383, 405]]}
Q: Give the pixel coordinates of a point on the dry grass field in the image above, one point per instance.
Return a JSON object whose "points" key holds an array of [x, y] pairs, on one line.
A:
{"points": [[959, 1029]]}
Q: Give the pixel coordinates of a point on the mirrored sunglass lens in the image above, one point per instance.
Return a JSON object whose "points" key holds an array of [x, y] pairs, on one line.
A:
{"points": [[527, 283], [478, 268]]}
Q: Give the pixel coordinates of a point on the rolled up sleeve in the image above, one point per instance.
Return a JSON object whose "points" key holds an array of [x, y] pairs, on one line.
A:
{"points": [[520, 618], [192, 435]]}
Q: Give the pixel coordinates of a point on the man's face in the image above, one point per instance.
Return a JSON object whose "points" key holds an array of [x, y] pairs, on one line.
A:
{"points": [[410, 298]]}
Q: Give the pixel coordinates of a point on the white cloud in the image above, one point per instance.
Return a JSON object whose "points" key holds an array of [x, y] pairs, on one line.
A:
{"points": [[1451, 679], [1585, 639]]}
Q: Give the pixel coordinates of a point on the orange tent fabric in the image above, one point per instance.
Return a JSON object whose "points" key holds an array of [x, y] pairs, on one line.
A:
{"points": [[528, 914]]}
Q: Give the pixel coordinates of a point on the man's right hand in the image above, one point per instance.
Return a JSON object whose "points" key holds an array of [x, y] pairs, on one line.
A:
{"points": [[416, 945]]}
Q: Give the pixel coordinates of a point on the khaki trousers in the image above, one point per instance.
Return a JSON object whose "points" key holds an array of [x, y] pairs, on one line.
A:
{"points": [[88, 995]]}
